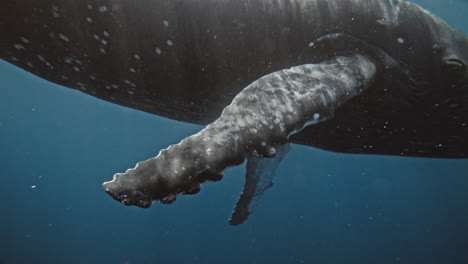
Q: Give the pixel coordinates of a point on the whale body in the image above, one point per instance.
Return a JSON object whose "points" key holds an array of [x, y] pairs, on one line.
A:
{"points": [[372, 76]]}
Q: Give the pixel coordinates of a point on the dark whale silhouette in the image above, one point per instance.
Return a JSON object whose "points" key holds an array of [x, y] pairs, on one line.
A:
{"points": [[373, 76]]}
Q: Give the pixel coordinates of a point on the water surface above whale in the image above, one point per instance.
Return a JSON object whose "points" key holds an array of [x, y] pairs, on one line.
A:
{"points": [[374, 77]]}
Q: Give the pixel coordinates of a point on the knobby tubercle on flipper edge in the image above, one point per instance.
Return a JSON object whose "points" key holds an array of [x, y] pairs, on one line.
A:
{"points": [[259, 118]]}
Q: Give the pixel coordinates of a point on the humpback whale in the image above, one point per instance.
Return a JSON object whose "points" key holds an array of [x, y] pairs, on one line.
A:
{"points": [[353, 76]]}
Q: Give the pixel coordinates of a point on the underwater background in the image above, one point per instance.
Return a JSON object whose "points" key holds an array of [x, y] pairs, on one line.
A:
{"points": [[58, 145]]}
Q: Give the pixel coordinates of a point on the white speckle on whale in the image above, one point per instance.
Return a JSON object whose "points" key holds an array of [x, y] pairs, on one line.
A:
{"points": [[136, 56], [24, 40], [68, 60], [401, 40], [166, 24], [89, 20], [132, 69], [102, 9], [102, 50], [104, 42], [130, 83], [106, 34], [158, 51], [169, 42], [96, 37], [55, 11], [52, 35], [76, 68], [30, 64], [63, 37], [19, 46]]}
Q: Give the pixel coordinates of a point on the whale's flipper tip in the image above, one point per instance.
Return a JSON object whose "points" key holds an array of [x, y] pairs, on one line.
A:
{"points": [[258, 178]]}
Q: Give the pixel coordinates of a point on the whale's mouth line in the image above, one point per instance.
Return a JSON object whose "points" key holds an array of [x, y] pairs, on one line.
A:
{"points": [[381, 56]]}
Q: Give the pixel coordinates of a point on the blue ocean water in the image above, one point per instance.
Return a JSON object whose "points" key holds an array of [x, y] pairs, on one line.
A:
{"points": [[58, 145]]}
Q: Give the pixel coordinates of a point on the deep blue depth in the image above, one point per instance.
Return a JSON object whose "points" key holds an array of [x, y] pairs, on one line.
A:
{"points": [[324, 207]]}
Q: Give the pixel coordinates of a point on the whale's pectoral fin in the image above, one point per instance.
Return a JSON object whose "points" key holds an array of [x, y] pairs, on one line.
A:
{"points": [[258, 178], [260, 118]]}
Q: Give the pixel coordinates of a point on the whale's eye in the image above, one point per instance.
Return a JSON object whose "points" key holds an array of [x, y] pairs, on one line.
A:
{"points": [[455, 67]]}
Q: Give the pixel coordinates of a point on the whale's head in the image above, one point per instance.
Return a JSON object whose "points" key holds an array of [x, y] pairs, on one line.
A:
{"points": [[435, 57], [454, 60]]}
